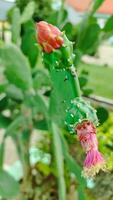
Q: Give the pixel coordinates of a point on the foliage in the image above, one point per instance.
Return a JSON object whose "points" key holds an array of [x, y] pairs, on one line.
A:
{"points": [[12, 188], [30, 92], [42, 8]]}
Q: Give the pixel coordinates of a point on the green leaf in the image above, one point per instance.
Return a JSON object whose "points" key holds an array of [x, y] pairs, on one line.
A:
{"points": [[9, 188], [28, 44], [59, 160], [38, 103], [87, 91], [89, 45], [41, 79], [69, 30], [56, 20], [16, 124], [15, 93], [62, 16], [102, 114], [41, 125], [81, 193], [2, 145], [71, 163], [109, 24], [16, 26], [83, 80], [4, 121], [74, 168], [3, 103], [3, 87], [44, 168], [17, 68], [96, 5], [28, 12]]}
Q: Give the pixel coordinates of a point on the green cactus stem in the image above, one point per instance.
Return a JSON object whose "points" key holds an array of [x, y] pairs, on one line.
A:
{"points": [[62, 58], [79, 111]]}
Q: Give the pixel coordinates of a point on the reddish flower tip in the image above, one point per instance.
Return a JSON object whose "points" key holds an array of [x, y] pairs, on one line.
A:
{"points": [[93, 163], [49, 36]]}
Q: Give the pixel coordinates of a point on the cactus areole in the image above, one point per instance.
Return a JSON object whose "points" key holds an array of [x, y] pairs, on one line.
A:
{"points": [[81, 117]]}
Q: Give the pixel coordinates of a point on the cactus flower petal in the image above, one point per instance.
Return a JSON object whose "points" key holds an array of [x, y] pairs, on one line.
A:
{"points": [[49, 37], [93, 163]]}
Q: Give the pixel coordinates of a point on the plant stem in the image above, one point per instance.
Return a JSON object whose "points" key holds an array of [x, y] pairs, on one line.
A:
{"points": [[59, 161], [22, 141], [2, 148]]}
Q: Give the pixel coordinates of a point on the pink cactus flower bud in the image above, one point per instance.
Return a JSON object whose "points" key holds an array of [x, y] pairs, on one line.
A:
{"points": [[49, 36], [93, 163]]}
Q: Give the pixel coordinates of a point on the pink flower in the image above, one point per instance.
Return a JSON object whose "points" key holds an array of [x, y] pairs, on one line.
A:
{"points": [[49, 36], [86, 132], [94, 161]]}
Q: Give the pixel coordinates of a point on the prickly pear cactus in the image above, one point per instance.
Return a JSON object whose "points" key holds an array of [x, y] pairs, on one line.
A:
{"points": [[79, 111], [58, 55], [81, 118]]}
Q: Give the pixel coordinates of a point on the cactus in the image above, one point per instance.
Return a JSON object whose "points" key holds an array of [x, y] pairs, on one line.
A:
{"points": [[81, 117], [58, 54]]}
